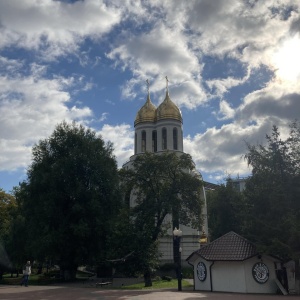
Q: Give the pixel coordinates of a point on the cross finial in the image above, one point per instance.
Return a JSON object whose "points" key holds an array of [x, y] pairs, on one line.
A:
{"points": [[147, 85], [167, 82]]}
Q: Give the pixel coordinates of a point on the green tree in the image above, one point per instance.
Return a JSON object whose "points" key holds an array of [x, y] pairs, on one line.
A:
{"points": [[16, 242], [138, 254], [7, 206], [70, 197], [161, 184], [272, 194], [226, 210]]}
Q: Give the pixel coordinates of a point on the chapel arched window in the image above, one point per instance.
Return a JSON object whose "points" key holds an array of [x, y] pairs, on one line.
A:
{"points": [[154, 141], [143, 141], [164, 138], [175, 139]]}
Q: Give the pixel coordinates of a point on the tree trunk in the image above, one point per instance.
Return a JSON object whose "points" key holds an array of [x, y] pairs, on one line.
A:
{"points": [[40, 269], [147, 279], [68, 273]]}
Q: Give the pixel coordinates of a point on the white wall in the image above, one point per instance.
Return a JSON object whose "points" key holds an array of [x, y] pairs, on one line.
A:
{"points": [[228, 277], [189, 244], [255, 287], [189, 241], [202, 285], [236, 276], [148, 127]]}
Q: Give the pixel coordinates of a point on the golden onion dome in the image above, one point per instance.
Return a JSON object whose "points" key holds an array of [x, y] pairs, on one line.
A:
{"points": [[146, 113], [168, 110]]}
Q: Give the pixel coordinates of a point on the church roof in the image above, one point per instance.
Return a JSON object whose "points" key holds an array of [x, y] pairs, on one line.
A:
{"points": [[147, 112], [168, 110], [229, 247]]}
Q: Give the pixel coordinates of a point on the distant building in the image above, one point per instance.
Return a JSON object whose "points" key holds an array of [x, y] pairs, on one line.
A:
{"points": [[210, 186], [239, 183]]}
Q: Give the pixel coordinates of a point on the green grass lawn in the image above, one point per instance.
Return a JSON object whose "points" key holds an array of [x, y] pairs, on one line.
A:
{"points": [[160, 284]]}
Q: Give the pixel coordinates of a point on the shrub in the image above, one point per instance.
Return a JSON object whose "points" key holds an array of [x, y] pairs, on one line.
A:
{"points": [[167, 267], [167, 278], [187, 272]]}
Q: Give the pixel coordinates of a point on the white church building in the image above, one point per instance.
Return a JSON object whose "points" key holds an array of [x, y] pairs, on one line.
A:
{"points": [[159, 129]]}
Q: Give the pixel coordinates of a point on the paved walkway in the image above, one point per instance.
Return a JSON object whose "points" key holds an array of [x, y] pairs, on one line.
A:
{"points": [[75, 292]]}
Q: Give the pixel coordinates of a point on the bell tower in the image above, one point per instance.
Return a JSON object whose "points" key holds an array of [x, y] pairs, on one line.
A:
{"points": [[158, 129]]}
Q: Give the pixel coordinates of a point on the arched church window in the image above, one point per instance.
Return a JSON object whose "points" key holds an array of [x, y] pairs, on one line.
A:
{"points": [[175, 139], [154, 141], [143, 141], [135, 144], [164, 138]]}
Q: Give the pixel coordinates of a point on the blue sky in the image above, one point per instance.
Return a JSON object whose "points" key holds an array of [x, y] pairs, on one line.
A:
{"points": [[233, 69]]}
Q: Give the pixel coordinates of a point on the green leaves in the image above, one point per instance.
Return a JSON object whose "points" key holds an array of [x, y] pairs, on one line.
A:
{"points": [[70, 196], [163, 183], [272, 193], [157, 185], [268, 210], [226, 210]]}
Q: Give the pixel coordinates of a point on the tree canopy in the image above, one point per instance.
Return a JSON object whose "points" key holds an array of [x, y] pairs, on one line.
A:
{"points": [[8, 207], [226, 210], [160, 185], [268, 210], [70, 197], [272, 194]]}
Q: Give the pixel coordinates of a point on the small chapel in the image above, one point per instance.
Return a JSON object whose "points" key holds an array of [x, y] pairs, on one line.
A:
{"points": [[159, 129]]}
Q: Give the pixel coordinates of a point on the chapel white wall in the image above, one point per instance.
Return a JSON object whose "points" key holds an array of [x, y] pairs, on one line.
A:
{"points": [[236, 276]]}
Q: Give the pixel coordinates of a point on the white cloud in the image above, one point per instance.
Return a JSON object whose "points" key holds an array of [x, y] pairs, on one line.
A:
{"points": [[225, 112], [122, 138], [276, 102], [30, 107], [222, 149], [174, 45], [154, 39], [286, 59], [103, 117], [14, 154], [53, 27], [158, 53], [219, 87]]}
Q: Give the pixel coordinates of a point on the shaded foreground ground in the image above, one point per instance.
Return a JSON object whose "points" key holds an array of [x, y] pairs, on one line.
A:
{"points": [[72, 292]]}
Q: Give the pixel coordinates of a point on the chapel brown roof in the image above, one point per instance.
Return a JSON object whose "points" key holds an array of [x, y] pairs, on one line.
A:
{"points": [[229, 247]]}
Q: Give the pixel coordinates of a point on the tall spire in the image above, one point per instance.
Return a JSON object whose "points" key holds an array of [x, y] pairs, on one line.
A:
{"points": [[147, 85], [167, 84], [148, 97], [167, 89]]}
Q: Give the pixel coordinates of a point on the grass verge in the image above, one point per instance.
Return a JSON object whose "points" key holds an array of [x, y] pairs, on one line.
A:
{"points": [[160, 284]]}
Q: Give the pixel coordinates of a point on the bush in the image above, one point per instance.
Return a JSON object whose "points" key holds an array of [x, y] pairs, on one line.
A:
{"points": [[167, 267], [187, 272], [167, 278], [52, 274]]}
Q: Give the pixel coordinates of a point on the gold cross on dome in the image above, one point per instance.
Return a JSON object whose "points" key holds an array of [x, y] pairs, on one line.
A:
{"points": [[167, 82]]}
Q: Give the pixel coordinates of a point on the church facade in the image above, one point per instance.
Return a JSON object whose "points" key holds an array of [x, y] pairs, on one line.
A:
{"points": [[159, 129]]}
